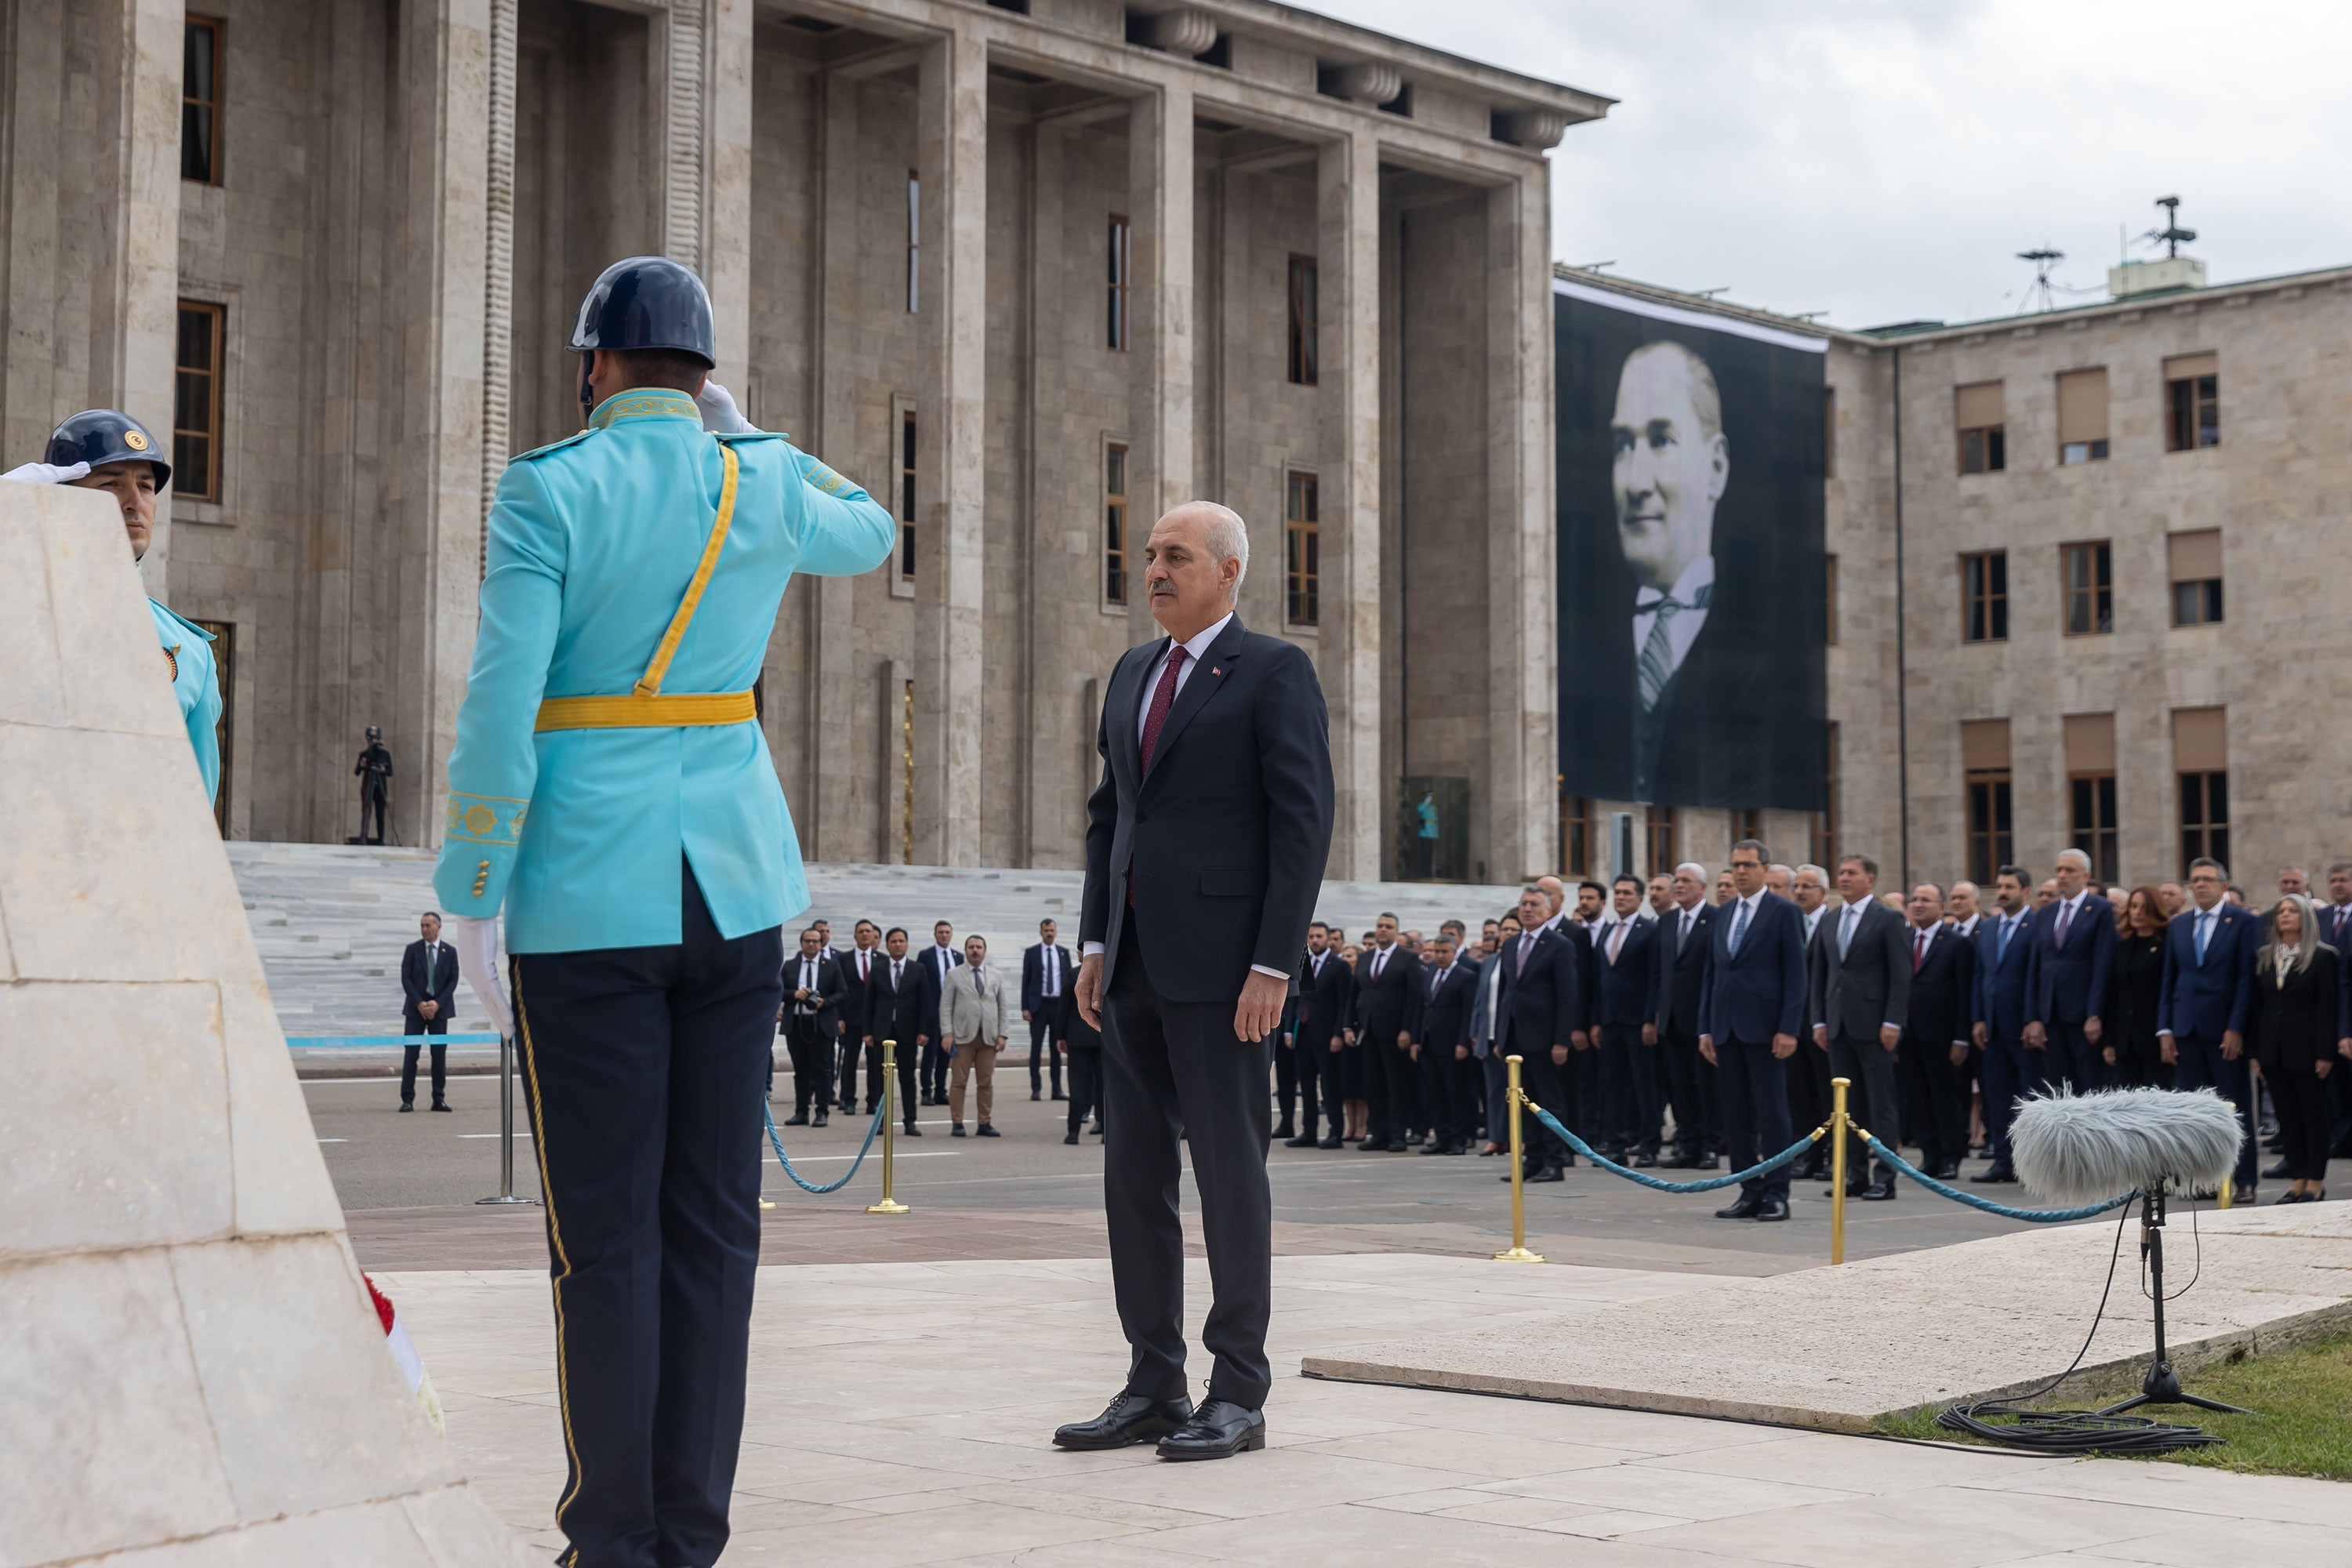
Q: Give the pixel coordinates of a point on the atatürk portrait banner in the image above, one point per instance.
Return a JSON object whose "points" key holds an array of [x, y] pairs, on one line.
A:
{"points": [[1693, 592]]}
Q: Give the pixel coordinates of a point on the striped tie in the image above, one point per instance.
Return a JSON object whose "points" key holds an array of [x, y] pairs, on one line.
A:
{"points": [[1657, 648]]}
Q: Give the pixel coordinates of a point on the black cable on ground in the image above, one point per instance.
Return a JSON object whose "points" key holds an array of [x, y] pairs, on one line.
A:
{"points": [[2077, 1431]]}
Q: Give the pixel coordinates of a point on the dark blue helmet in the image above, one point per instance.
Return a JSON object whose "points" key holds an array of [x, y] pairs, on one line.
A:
{"points": [[647, 302], [101, 436]]}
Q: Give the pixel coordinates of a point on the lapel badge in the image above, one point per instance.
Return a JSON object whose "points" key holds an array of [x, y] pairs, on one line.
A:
{"points": [[1214, 669]]}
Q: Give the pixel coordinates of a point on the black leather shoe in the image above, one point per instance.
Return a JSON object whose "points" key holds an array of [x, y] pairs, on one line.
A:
{"points": [[912, 1130], [1457, 1147], [1059, 1095], [1745, 1208], [823, 1119], [1708, 1163], [985, 1130], [1435, 1147], [1377, 1145], [1286, 1132], [441, 1105], [847, 1107], [406, 1106], [2275, 1172], [1772, 1208], [1331, 1143], [1950, 1171], [1413, 1137], [1549, 1174], [1879, 1192], [797, 1118], [1130, 1418], [1645, 1162], [1218, 1430], [1071, 1139], [956, 1130], [1853, 1189], [1309, 1142], [1994, 1173]]}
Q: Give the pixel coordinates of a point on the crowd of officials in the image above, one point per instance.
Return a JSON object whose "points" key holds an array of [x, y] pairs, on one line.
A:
{"points": [[1683, 1021]]}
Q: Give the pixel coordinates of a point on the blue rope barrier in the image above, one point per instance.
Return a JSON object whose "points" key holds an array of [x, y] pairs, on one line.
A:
{"points": [[1710, 1184], [873, 1131], [377, 1042], [2039, 1216]]}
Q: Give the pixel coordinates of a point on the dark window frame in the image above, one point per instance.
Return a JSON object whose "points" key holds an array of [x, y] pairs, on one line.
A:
{"points": [[2197, 602], [2204, 815], [2089, 604], [907, 449], [1115, 521], [1992, 823], [914, 241], [1984, 449], [202, 115], [2192, 414], [1984, 596], [2092, 822], [1305, 322], [1578, 825], [1302, 548], [1825, 821], [1118, 261], [1662, 838], [196, 471]]}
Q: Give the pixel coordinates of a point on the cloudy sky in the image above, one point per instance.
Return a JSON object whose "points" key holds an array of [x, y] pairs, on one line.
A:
{"points": [[1885, 160]]}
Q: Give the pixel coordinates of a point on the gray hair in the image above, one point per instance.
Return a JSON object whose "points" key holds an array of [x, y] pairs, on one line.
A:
{"points": [[1816, 870], [2297, 958], [1788, 871], [1693, 868], [2207, 862], [2077, 859], [1227, 537]]}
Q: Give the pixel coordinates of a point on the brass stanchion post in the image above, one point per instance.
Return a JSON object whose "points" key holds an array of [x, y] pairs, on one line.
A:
{"points": [[890, 1130], [1837, 1168], [1513, 1097], [2227, 1196]]}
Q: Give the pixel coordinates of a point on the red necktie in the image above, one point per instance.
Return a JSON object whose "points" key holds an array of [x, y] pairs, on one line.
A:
{"points": [[1918, 951], [1163, 698]]}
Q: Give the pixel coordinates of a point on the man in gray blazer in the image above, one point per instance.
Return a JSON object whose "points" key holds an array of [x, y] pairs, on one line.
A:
{"points": [[973, 1024], [1861, 993]]}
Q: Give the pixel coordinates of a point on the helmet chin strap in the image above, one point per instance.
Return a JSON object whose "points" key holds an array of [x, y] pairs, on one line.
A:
{"points": [[587, 393]]}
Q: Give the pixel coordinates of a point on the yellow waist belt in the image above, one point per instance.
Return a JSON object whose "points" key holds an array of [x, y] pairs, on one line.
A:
{"points": [[653, 712], [646, 707]]}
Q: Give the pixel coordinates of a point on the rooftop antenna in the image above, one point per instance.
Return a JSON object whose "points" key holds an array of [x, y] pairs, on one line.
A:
{"points": [[2044, 260], [2171, 235]]}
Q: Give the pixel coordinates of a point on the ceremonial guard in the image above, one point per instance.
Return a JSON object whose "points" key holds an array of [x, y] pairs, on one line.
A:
{"points": [[106, 449], [611, 792], [374, 771]]}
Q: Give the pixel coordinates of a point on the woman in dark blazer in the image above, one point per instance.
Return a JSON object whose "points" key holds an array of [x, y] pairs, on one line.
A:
{"points": [[2290, 1029], [2134, 987]]}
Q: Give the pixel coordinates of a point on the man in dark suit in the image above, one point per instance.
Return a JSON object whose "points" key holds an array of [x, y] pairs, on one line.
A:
{"points": [[901, 1004], [1934, 1057], [813, 993], [1206, 841], [857, 982], [1540, 1005], [1326, 998], [1809, 1095], [1751, 1004], [1997, 1021], [1451, 1079], [1861, 996], [1387, 1000], [941, 956], [1081, 1043], [428, 987], [1625, 1033], [2335, 931], [1045, 975], [1678, 964], [2208, 970], [2072, 946]]}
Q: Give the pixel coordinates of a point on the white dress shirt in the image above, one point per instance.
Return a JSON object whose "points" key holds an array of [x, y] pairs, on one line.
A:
{"points": [[1813, 922], [1683, 630]]}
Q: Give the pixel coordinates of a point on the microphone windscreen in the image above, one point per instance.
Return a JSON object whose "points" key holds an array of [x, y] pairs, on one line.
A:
{"points": [[2073, 1149]]}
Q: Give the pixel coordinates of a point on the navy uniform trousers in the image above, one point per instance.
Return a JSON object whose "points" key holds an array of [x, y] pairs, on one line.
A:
{"points": [[641, 1066]]}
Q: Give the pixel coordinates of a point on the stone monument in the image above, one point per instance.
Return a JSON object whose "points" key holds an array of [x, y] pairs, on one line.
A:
{"points": [[190, 1370]]}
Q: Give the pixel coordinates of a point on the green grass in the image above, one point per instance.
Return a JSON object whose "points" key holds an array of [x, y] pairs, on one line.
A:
{"points": [[2301, 1422]]}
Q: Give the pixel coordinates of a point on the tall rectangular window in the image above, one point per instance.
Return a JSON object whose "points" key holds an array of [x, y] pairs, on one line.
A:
{"points": [[914, 241], [2083, 415], [1578, 838], [224, 731], [1825, 821], [1114, 524], [1664, 839], [1305, 318], [1302, 552], [1984, 447], [1116, 292], [2200, 760], [196, 403], [200, 101], [1828, 432], [1747, 821], [2193, 404], [1984, 596], [2195, 559], [2091, 791], [907, 494], [1829, 596], [2087, 573], [1984, 756]]}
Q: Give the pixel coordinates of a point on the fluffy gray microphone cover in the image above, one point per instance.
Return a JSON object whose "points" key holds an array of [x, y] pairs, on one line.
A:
{"points": [[2082, 1148]]}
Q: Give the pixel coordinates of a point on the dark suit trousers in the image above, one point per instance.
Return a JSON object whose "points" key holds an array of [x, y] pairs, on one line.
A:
{"points": [[1085, 1085], [1287, 1085], [1755, 1087], [2073, 1058], [1451, 1093], [2201, 1067], [1325, 1064], [1873, 1097], [644, 1116], [1691, 1088], [1547, 1085], [904, 1090], [846, 1049], [416, 1024], [932, 1068], [812, 1053], [1388, 1087], [2304, 1118], [1173, 1070], [1629, 1090], [2008, 1074], [1809, 1091], [1938, 1096], [1041, 1048]]}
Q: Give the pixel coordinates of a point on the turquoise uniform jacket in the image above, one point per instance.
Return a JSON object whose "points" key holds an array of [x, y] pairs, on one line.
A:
{"points": [[577, 832], [195, 686]]}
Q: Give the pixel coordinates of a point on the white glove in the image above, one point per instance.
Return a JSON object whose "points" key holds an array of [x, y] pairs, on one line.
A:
{"points": [[476, 938], [44, 474], [720, 415]]}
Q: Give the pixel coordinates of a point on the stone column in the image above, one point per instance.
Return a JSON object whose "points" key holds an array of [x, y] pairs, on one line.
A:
{"points": [[1348, 202], [1163, 332], [1522, 637], [134, 316], [951, 141], [435, 479], [834, 830]]}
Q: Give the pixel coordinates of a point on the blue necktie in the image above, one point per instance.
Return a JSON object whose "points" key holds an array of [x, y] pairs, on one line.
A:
{"points": [[2001, 947], [1738, 928], [2204, 917]]}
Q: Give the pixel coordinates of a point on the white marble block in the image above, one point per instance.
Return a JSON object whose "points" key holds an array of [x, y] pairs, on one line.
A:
{"points": [[190, 1370]]}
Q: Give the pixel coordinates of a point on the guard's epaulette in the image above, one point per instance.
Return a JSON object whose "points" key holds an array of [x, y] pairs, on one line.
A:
{"points": [[186, 625], [732, 437], [551, 447]]}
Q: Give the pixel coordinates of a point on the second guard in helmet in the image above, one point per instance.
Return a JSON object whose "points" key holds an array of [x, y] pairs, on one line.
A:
{"points": [[612, 794], [373, 770]]}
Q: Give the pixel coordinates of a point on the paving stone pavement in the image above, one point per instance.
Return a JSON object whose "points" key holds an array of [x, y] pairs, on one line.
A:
{"points": [[899, 1415]]}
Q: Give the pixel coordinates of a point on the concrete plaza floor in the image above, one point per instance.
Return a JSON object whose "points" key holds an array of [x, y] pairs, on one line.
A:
{"points": [[899, 1415]]}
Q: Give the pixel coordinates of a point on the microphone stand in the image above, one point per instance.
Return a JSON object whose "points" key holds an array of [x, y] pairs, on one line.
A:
{"points": [[2162, 1384]]}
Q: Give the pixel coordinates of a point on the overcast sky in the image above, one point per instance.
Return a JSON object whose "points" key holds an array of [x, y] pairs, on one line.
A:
{"points": [[1885, 161]]}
